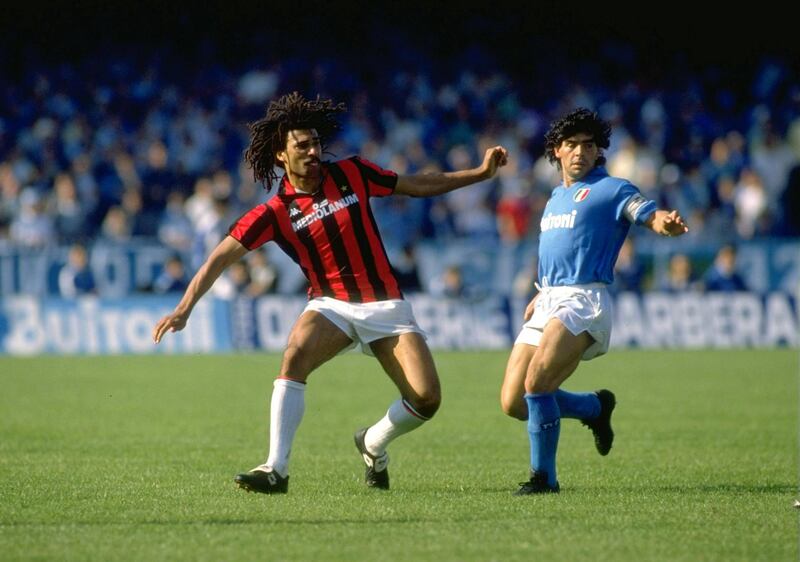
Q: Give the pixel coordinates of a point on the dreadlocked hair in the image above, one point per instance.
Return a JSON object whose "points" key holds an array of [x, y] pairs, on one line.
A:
{"points": [[287, 113], [581, 120]]}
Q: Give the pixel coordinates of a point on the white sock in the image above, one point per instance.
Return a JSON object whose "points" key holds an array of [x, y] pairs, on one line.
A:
{"points": [[286, 413], [399, 419]]}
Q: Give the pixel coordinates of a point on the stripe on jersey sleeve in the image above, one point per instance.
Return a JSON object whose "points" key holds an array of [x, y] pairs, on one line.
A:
{"points": [[380, 182]]}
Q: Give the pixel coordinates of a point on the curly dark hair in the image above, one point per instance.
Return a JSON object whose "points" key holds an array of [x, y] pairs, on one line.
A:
{"points": [[580, 120], [289, 112]]}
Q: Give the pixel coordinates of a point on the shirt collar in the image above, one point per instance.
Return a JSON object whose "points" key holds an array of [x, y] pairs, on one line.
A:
{"points": [[596, 172]]}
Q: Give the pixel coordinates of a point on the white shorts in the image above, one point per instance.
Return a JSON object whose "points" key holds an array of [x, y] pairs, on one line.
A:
{"points": [[369, 321], [581, 308]]}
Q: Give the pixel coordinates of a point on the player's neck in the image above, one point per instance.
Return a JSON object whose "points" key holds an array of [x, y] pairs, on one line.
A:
{"points": [[569, 181], [305, 184]]}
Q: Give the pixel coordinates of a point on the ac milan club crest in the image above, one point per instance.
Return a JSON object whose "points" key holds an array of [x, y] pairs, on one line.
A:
{"points": [[581, 194]]}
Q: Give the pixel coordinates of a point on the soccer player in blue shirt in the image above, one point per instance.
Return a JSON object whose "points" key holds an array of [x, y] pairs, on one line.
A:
{"points": [[583, 227]]}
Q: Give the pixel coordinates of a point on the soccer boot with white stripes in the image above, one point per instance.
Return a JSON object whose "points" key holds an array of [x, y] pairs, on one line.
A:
{"points": [[377, 473], [263, 481], [601, 425]]}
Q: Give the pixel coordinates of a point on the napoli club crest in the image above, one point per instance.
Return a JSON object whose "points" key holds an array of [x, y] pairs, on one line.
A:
{"points": [[581, 194]]}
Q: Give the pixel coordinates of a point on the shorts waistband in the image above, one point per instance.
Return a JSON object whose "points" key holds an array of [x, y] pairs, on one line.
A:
{"points": [[580, 287]]}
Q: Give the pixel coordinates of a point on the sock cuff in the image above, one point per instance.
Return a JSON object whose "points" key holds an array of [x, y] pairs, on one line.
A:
{"points": [[543, 412], [410, 409], [538, 395], [289, 383]]}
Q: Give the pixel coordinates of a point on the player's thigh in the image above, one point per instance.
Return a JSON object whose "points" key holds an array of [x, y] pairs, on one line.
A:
{"points": [[513, 389], [407, 360], [556, 358], [313, 340]]}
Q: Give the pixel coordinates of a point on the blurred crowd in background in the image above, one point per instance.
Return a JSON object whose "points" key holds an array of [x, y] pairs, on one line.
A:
{"points": [[135, 146]]}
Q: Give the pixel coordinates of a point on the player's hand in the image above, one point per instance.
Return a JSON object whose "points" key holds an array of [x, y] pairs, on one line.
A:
{"points": [[494, 158], [673, 224], [173, 322], [529, 308]]}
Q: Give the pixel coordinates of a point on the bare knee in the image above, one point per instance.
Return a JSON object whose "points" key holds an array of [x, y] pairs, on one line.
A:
{"points": [[426, 403], [295, 363], [514, 407], [512, 402]]}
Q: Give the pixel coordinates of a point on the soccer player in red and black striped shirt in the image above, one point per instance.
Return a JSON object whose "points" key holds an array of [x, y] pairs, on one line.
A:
{"points": [[322, 219]]}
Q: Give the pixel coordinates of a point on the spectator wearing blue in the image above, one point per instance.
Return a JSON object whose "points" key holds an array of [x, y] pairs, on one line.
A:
{"points": [[628, 270], [175, 227], [450, 284], [70, 214], [172, 278], [722, 275], [75, 278], [406, 270], [680, 275]]}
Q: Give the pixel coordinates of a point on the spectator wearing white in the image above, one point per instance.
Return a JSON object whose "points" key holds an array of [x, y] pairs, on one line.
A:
{"points": [[772, 158], [263, 275], [201, 203], [33, 227], [750, 201]]}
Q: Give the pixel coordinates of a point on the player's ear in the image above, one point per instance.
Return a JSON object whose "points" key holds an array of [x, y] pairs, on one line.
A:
{"points": [[281, 156]]}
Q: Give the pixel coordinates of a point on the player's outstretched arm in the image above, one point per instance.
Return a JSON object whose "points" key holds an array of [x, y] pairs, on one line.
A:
{"points": [[226, 252], [428, 185], [667, 223]]}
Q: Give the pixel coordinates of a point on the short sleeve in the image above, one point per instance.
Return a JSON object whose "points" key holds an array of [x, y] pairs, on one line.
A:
{"points": [[632, 205], [379, 182], [254, 228]]}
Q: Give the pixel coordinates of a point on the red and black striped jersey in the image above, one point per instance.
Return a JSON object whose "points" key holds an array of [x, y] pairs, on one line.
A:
{"points": [[331, 234]]}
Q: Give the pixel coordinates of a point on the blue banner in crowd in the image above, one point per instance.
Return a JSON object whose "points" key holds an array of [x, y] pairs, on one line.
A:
{"points": [[705, 320], [126, 269], [30, 326]]}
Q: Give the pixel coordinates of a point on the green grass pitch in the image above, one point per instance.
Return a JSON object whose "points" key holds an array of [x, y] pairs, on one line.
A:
{"points": [[133, 458]]}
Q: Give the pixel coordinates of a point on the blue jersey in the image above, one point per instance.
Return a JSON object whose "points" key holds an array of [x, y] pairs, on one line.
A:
{"points": [[583, 228]]}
